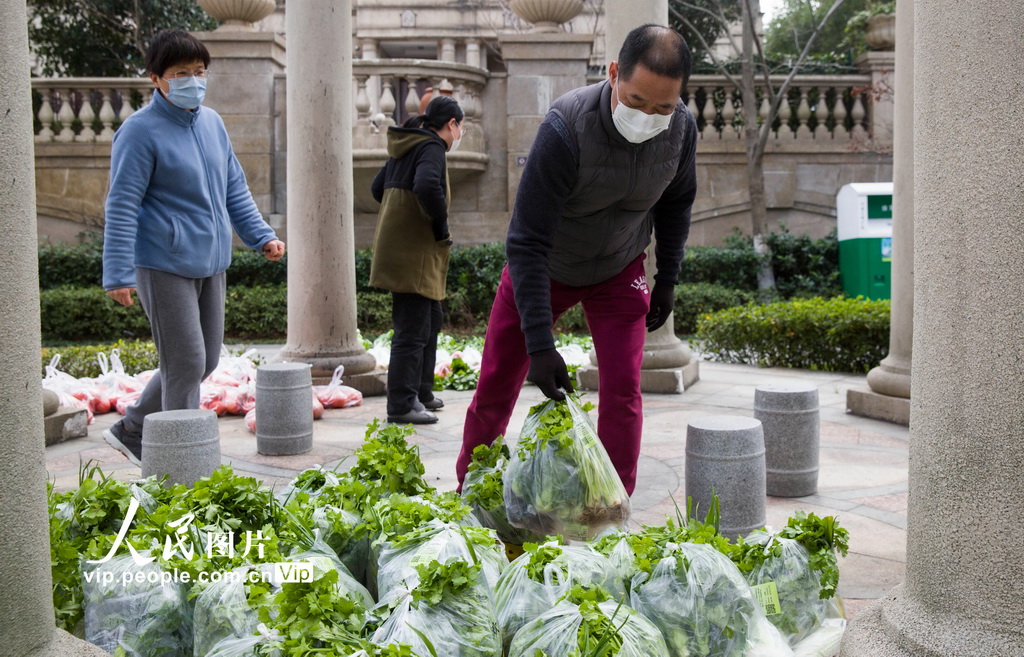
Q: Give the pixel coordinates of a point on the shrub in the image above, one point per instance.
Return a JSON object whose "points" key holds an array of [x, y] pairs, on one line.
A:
{"points": [[735, 266], [473, 276], [836, 335], [373, 311], [695, 300], [804, 267], [251, 269], [80, 361], [88, 314], [79, 265], [256, 312]]}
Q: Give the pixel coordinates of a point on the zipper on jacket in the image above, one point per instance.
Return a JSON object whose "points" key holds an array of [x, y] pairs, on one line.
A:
{"points": [[209, 184]]}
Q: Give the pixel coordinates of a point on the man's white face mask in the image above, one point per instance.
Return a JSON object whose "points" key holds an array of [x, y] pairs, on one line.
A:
{"points": [[636, 126]]}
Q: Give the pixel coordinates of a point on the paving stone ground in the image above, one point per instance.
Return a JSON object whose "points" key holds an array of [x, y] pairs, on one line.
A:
{"points": [[862, 480]]}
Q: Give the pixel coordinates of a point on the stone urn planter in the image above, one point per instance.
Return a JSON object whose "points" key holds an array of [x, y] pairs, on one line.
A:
{"points": [[238, 14], [547, 15], [881, 33]]}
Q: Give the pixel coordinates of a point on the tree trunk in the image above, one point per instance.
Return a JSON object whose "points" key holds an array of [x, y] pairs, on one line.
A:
{"points": [[755, 155]]}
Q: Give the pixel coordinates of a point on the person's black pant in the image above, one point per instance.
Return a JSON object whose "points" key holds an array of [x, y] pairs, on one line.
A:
{"points": [[417, 321]]}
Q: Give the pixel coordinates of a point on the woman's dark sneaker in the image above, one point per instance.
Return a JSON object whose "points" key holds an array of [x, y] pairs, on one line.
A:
{"points": [[127, 442]]}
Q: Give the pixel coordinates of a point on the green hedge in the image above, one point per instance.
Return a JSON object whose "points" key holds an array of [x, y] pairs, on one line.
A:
{"points": [[80, 361], [695, 300], [835, 335], [735, 266], [804, 267], [88, 314], [250, 313]]}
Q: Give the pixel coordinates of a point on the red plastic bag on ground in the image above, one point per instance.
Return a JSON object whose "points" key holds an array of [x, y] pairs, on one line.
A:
{"points": [[318, 408], [336, 395], [250, 420]]}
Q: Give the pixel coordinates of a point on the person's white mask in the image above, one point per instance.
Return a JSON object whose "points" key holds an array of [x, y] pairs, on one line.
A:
{"points": [[636, 126], [455, 142]]}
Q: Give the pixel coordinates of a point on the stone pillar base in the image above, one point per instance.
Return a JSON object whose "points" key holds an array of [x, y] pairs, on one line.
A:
{"points": [[663, 381], [66, 645], [371, 384], [867, 403], [66, 423]]}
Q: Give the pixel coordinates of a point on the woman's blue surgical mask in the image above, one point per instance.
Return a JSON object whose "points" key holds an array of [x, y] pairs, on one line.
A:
{"points": [[187, 92]]}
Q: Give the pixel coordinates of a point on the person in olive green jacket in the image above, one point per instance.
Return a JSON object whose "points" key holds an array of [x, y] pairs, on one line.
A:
{"points": [[410, 252]]}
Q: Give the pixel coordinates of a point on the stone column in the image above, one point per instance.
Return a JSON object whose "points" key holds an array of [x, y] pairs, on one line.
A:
{"points": [[26, 607], [321, 242], [242, 69], [668, 365], [889, 395], [962, 594], [541, 67]]}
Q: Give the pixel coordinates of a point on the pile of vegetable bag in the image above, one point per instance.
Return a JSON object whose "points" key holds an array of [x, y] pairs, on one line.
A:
{"points": [[446, 587], [560, 480]]}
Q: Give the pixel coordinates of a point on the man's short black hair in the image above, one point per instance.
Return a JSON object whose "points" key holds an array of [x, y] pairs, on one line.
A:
{"points": [[172, 47], [657, 48]]}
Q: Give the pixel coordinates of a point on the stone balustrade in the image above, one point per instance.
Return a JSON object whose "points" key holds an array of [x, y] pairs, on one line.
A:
{"points": [[387, 93], [817, 107], [95, 106]]}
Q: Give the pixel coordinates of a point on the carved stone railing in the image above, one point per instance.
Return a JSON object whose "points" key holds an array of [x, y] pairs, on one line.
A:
{"points": [[817, 107], [86, 110], [386, 93]]}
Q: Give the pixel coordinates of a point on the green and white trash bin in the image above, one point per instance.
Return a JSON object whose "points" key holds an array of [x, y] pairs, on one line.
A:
{"points": [[864, 222]]}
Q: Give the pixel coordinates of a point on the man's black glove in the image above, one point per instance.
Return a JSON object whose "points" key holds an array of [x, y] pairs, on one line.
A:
{"points": [[662, 301], [548, 372]]}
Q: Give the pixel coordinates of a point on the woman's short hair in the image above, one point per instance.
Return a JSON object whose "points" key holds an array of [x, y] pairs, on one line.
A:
{"points": [[171, 47]]}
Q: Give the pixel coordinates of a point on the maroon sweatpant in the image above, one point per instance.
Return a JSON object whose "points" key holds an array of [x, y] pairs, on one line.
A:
{"points": [[615, 311]]}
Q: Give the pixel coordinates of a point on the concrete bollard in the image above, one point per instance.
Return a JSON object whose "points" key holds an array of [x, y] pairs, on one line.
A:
{"points": [[792, 435], [725, 457], [284, 409], [184, 444]]}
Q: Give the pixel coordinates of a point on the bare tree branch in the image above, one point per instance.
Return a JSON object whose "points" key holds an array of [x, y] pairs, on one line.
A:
{"points": [[704, 44]]}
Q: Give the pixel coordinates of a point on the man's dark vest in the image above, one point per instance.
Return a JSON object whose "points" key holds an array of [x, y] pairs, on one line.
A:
{"points": [[607, 223]]}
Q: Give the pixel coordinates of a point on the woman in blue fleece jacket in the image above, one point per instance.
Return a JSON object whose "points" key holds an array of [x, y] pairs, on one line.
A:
{"points": [[176, 192]]}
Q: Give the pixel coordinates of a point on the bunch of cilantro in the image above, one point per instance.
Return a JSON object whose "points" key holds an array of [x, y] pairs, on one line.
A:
{"points": [[586, 622], [446, 611]]}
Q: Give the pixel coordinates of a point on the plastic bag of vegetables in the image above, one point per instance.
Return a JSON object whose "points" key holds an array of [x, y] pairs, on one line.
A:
{"points": [[704, 607], [446, 612], [227, 609], [784, 572], [138, 608], [484, 490], [323, 558], [543, 574], [442, 542], [560, 480], [247, 646], [587, 622]]}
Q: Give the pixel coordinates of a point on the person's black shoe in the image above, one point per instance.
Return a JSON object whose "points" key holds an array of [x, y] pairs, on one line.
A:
{"points": [[127, 442], [413, 417], [434, 404]]}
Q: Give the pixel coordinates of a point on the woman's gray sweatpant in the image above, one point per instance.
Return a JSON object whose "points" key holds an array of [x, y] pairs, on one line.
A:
{"points": [[187, 318]]}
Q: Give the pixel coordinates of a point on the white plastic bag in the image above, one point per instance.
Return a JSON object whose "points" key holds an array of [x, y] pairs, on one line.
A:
{"points": [[539, 577]]}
